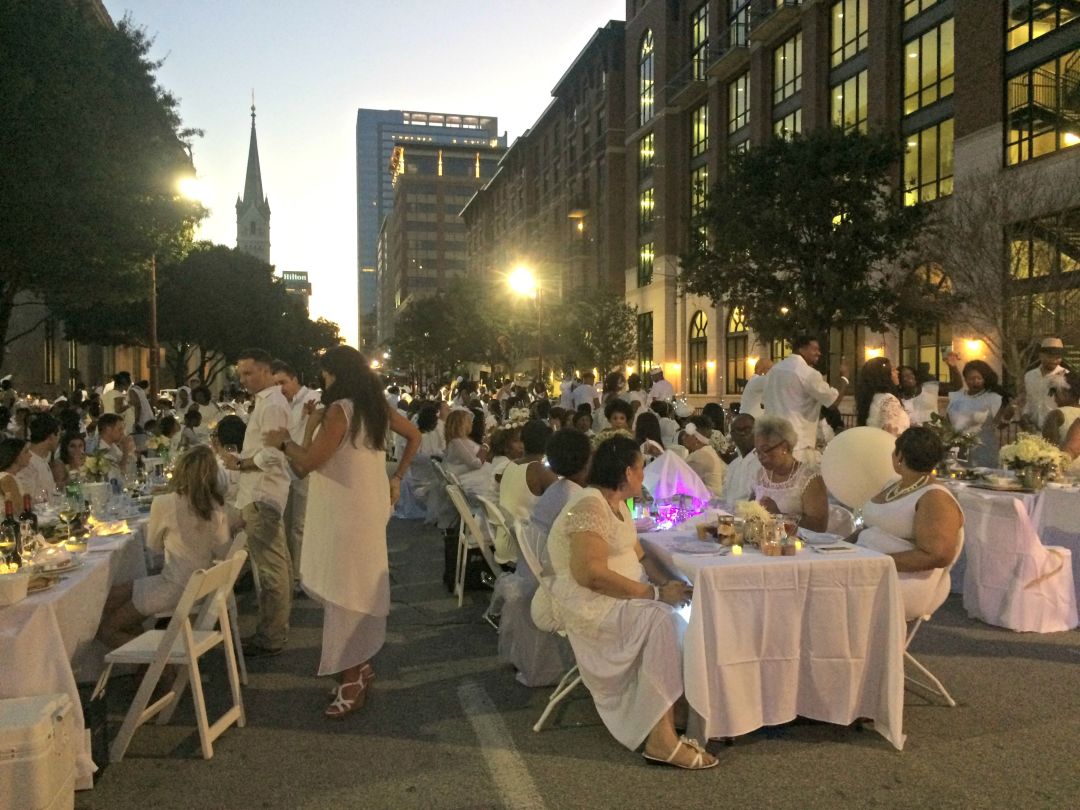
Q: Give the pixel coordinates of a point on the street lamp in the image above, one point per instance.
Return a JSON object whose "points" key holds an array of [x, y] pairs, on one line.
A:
{"points": [[522, 281]]}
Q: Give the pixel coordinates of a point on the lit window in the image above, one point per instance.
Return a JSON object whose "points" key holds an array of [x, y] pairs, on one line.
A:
{"points": [[847, 102], [699, 190], [646, 153], [1031, 19], [738, 23], [699, 130], [1044, 109], [928, 164], [698, 353], [913, 8], [928, 67], [850, 29], [646, 256], [787, 69], [699, 41], [736, 351], [739, 102], [644, 342], [646, 87], [790, 124], [646, 208]]}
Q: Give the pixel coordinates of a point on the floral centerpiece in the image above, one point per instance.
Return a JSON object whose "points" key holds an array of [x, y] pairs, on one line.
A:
{"points": [[1034, 459], [752, 510], [97, 465], [723, 445], [158, 443], [951, 438]]}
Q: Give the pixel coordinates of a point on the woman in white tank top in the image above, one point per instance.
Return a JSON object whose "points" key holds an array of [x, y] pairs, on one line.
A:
{"points": [[1067, 398], [915, 520]]}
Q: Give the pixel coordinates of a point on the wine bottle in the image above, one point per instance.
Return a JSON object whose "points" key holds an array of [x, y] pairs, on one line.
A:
{"points": [[10, 524], [28, 520]]}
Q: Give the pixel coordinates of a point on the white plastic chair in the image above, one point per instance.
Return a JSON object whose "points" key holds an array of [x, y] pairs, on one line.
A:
{"points": [[1012, 580], [470, 536], [528, 538], [924, 612], [182, 644]]}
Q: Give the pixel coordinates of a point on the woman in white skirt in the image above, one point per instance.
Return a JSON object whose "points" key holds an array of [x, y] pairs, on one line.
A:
{"points": [[620, 619], [343, 563], [190, 527]]}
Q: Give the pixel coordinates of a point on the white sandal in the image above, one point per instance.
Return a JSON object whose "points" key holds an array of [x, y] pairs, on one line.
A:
{"points": [[696, 764], [342, 706]]}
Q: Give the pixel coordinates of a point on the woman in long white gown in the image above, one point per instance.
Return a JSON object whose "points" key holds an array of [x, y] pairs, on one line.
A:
{"points": [[620, 619], [876, 401], [344, 562]]}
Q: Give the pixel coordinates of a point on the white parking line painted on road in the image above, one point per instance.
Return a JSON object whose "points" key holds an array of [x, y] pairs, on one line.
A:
{"points": [[516, 787]]}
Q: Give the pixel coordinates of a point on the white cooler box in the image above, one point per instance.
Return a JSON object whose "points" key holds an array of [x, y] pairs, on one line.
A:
{"points": [[37, 753]]}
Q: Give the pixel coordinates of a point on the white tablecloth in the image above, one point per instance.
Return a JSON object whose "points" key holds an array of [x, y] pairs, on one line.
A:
{"points": [[774, 638], [1054, 512], [47, 640]]}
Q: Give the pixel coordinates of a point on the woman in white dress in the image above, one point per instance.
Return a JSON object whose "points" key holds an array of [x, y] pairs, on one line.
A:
{"points": [[784, 485], [524, 480], [920, 399], [703, 458], [344, 562], [915, 520], [619, 614], [1067, 398], [876, 401], [187, 525], [978, 409]]}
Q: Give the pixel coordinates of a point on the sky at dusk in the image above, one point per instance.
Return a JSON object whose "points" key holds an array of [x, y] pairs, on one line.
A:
{"points": [[312, 64]]}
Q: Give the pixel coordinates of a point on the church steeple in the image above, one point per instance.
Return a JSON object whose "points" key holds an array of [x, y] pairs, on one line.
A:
{"points": [[253, 209]]}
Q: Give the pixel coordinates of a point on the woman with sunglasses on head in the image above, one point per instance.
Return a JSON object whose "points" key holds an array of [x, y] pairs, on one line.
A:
{"points": [[785, 485]]}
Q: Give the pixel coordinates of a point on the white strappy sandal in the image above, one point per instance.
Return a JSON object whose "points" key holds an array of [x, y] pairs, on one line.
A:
{"points": [[698, 763], [343, 706]]}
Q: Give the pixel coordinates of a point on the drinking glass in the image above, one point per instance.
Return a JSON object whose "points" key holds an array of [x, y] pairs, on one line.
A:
{"points": [[7, 543], [69, 510]]}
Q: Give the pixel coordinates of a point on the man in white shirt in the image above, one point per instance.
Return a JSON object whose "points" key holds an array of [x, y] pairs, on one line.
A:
{"points": [[261, 498], [661, 389], [37, 475], [298, 396], [754, 390], [796, 391], [1039, 383], [566, 394], [119, 448], [741, 472], [586, 393]]}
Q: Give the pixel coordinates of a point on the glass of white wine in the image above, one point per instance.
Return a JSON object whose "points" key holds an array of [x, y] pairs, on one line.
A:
{"points": [[69, 510]]}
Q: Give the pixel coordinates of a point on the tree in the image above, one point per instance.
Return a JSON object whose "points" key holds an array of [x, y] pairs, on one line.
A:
{"points": [[807, 234], [1009, 244], [93, 150], [598, 329]]}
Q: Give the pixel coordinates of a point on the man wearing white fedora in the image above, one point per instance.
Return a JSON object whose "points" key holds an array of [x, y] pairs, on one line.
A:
{"points": [[1039, 383]]}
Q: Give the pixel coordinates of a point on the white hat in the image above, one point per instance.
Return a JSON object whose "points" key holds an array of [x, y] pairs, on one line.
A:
{"points": [[1052, 343], [656, 370]]}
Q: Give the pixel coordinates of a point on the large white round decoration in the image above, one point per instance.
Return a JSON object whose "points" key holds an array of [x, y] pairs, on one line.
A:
{"points": [[857, 464]]}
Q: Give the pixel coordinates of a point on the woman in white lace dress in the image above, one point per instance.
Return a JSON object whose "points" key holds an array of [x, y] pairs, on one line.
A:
{"points": [[876, 401], [785, 485], [619, 612]]}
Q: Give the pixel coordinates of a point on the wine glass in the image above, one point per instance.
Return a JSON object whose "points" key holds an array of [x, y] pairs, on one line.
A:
{"points": [[7, 543], [69, 510]]}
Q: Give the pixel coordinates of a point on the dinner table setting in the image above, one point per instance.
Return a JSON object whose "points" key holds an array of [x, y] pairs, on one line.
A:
{"points": [[783, 623]]}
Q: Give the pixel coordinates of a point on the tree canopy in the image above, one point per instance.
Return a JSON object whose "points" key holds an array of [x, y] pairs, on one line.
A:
{"points": [[810, 233], [93, 150]]}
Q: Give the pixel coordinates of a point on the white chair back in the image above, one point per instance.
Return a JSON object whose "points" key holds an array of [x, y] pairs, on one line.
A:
{"points": [[528, 536], [472, 529], [1012, 580], [841, 521]]}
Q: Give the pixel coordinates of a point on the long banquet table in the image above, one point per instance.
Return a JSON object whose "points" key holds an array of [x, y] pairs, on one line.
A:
{"points": [[775, 638], [47, 642]]}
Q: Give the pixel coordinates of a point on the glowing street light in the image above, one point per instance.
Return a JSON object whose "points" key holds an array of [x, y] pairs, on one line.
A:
{"points": [[522, 281]]}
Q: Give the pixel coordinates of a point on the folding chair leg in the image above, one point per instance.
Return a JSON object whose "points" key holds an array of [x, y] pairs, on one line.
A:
{"points": [[238, 648], [200, 710], [935, 686], [139, 712], [235, 678], [179, 686], [459, 571], [567, 685], [99, 688]]}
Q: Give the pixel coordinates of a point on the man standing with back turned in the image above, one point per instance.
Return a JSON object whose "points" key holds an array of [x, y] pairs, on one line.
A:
{"points": [[261, 497]]}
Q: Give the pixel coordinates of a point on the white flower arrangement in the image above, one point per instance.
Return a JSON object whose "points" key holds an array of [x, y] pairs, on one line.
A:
{"points": [[517, 417], [97, 465], [1033, 451], [158, 443], [752, 510], [720, 443]]}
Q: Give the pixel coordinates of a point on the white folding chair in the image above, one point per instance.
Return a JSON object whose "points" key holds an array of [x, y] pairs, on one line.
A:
{"points": [[182, 644], [470, 536], [936, 600], [528, 538]]}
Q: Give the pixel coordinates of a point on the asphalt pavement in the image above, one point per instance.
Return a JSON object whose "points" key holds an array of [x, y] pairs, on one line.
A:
{"points": [[447, 726]]}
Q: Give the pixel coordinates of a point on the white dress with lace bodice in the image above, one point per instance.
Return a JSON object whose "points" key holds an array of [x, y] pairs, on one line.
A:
{"points": [[887, 413]]}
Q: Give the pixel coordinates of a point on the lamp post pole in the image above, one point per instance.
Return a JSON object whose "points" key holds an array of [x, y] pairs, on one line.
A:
{"points": [[154, 353], [540, 331]]}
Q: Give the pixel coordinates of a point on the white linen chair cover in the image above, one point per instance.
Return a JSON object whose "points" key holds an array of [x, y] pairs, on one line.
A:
{"points": [[1012, 580], [669, 475], [412, 505], [182, 644], [923, 613], [471, 534], [544, 615], [440, 509]]}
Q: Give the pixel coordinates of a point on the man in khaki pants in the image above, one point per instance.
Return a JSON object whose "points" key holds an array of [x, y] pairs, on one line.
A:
{"points": [[261, 497]]}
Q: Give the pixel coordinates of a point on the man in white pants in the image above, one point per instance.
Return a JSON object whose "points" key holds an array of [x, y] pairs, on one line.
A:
{"points": [[298, 395]]}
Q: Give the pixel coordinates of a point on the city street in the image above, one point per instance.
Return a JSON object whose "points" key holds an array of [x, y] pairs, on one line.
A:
{"points": [[447, 726]]}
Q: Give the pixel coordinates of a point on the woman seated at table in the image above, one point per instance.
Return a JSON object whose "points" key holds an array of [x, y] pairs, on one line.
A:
{"points": [[785, 485], [189, 526], [876, 401], [624, 629], [1060, 420], [506, 447], [647, 435], [14, 457], [462, 453], [915, 520], [702, 457], [72, 456]]}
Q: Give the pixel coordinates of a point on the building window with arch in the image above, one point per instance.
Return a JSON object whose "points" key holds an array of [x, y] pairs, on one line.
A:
{"points": [[646, 79], [698, 353], [736, 351]]}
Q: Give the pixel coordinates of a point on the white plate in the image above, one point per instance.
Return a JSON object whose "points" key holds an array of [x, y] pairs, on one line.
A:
{"points": [[76, 562], [698, 547]]}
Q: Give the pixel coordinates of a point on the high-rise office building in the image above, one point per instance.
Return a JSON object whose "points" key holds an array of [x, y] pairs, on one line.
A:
{"points": [[377, 132]]}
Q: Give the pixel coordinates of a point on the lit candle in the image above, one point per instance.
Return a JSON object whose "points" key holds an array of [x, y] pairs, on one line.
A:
{"points": [[798, 545], [736, 550]]}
